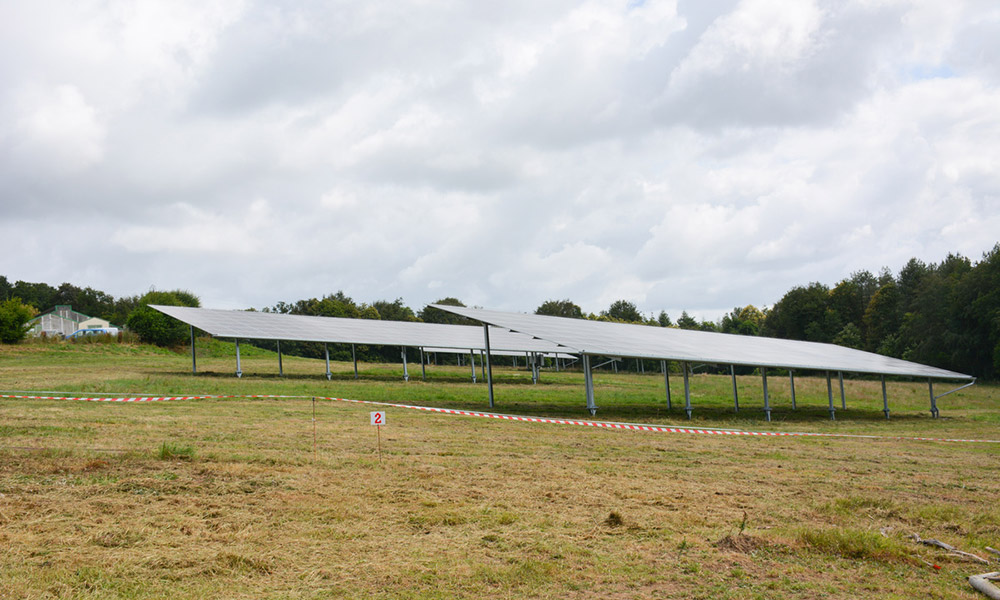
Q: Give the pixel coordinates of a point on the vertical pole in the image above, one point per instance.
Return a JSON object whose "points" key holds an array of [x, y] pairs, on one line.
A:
{"points": [[885, 400], [281, 368], [934, 408], [791, 382], [406, 372], [588, 383], [736, 394], [843, 400], [482, 365], [666, 380], [239, 367], [829, 394], [767, 397], [614, 363], [194, 362], [423, 366], [557, 363], [534, 369], [642, 366], [326, 351], [687, 391], [488, 366], [472, 364], [314, 424], [354, 358]]}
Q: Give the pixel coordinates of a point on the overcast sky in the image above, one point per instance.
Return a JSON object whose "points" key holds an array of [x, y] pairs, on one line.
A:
{"points": [[680, 155]]}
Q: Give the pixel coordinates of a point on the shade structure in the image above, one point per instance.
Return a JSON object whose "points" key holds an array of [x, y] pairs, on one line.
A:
{"points": [[604, 338], [240, 324]]}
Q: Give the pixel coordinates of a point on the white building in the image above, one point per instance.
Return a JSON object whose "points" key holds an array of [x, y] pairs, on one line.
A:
{"points": [[63, 321]]}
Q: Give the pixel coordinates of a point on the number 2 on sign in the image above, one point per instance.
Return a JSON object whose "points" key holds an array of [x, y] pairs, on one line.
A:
{"points": [[378, 418]]}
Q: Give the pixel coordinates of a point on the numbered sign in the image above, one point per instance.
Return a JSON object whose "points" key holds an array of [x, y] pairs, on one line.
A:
{"points": [[378, 418]]}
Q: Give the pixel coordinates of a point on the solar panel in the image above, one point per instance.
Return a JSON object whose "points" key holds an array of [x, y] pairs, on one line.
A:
{"points": [[641, 341], [251, 325]]}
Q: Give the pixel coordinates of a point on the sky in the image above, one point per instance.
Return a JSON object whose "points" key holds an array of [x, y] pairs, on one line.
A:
{"points": [[692, 156]]}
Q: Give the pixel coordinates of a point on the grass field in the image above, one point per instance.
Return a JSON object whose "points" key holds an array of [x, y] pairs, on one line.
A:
{"points": [[230, 498]]}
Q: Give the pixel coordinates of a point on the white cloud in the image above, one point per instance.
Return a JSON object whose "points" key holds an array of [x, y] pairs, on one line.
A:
{"points": [[680, 156]]}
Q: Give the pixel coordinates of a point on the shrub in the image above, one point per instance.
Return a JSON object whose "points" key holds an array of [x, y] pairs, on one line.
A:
{"points": [[14, 317], [154, 327]]}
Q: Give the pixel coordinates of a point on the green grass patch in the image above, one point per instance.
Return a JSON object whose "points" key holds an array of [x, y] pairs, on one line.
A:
{"points": [[172, 451]]}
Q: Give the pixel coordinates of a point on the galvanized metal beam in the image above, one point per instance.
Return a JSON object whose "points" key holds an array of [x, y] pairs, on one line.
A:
{"points": [[791, 383], [239, 367], [687, 391], [488, 366], [767, 397], [736, 394], [588, 384], [829, 394], [406, 371], [665, 367], [194, 361], [885, 400], [326, 351]]}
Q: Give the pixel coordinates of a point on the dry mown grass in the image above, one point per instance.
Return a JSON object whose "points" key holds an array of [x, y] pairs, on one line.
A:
{"points": [[226, 498]]}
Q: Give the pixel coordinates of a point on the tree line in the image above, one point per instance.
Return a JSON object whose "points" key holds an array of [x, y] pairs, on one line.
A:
{"points": [[943, 314]]}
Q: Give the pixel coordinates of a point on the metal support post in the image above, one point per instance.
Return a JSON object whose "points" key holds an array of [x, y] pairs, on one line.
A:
{"points": [[423, 366], [736, 394], [791, 383], [934, 408], [885, 400], [194, 361], [843, 399], [326, 351], [666, 380], [482, 364], [281, 368], [406, 371], [687, 391], [535, 368], [829, 394], [588, 384], [488, 366], [767, 397], [556, 359], [472, 364], [354, 357], [239, 367]]}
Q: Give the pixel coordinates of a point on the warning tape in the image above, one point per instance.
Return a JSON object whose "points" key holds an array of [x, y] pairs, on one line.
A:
{"points": [[136, 398], [526, 419], [654, 428]]}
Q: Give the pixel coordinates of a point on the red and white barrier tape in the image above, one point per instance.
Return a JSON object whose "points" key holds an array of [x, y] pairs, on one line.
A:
{"points": [[654, 428], [525, 419], [136, 398]]}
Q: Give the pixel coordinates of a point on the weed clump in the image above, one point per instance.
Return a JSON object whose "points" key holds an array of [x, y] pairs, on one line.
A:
{"points": [[614, 520], [169, 451]]}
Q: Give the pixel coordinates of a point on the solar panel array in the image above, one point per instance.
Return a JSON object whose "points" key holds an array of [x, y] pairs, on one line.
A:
{"points": [[640, 341], [251, 325]]}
